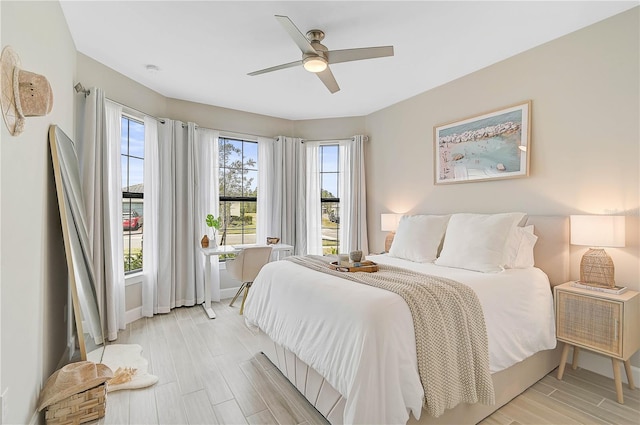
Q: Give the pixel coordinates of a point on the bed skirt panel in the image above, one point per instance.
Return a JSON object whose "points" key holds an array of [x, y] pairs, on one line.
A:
{"points": [[508, 384], [326, 399]]}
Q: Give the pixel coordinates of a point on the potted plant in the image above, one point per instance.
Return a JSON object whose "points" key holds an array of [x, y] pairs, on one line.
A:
{"points": [[214, 223]]}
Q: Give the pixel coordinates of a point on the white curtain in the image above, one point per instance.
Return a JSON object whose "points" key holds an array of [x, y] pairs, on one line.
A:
{"points": [[150, 228], [282, 188], [187, 193], [353, 200], [270, 183], [99, 158], [313, 207], [176, 244], [207, 202]]}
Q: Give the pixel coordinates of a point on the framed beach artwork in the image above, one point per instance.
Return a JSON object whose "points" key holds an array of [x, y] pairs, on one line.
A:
{"points": [[491, 146]]}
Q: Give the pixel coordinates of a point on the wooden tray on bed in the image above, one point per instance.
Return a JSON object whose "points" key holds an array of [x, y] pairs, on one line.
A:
{"points": [[365, 266]]}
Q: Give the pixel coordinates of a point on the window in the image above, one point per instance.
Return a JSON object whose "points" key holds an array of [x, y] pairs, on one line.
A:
{"points": [[238, 175], [132, 163], [330, 197]]}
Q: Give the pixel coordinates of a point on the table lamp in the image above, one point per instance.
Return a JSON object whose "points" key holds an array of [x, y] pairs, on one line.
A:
{"points": [[597, 231], [389, 223]]}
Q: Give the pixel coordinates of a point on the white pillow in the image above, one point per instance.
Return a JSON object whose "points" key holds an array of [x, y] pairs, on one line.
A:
{"points": [[477, 241], [519, 248], [418, 237]]}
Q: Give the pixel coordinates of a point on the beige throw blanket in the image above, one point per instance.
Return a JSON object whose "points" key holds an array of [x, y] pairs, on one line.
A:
{"points": [[451, 337]]}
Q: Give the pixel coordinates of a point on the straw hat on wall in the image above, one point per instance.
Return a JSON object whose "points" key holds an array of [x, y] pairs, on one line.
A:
{"points": [[24, 93], [72, 379]]}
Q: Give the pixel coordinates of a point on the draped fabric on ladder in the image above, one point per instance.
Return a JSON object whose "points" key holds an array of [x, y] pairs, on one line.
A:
{"points": [[282, 191], [353, 200], [99, 158], [187, 193]]}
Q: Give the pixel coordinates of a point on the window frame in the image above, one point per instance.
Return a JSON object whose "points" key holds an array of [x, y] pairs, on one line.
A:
{"points": [[336, 199], [234, 198], [128, 195]]}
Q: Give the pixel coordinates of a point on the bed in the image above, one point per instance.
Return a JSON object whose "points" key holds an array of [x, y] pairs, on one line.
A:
{"points": [[350, 349]]}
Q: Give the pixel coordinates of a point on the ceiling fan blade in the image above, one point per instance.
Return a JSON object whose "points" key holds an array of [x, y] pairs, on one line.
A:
{"points": [[276, 68], [329, 80], [296, 35], [348, 55]]}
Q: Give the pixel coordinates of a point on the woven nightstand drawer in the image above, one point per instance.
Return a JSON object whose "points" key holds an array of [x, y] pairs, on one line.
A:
{"points": [[600, 322], [590, 322]]}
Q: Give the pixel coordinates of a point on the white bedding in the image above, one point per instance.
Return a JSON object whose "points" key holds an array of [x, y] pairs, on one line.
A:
{"points": [[361, 338]]}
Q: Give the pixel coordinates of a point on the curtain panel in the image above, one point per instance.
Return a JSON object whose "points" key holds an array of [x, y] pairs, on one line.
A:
{"points": [[282, 188], [187, 192], [151, 208], [176, 248], [207, 201], [353, 197], [99, 122], [313, 204]]}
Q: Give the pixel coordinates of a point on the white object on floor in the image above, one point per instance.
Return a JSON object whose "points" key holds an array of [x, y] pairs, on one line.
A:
{"points": [[123, 356]]}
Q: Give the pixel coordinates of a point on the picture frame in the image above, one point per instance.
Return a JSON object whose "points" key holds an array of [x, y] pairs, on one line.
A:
{"points": [[490, 146]]}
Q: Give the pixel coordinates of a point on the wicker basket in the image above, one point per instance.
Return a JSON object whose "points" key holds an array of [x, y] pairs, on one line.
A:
{"points": [[86, 406]]}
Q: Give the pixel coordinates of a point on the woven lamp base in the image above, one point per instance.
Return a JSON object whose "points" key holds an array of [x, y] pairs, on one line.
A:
{"points": [[596, 268], [388, 241]]}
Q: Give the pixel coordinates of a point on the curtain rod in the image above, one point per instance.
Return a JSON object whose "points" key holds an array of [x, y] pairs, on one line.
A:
{"points": [[160, 120], [366, 139], [239, 133], [80, 89]]}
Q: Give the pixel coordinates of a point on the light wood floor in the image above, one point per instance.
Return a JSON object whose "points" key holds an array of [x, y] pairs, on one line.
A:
{"points": [[211, 372]]}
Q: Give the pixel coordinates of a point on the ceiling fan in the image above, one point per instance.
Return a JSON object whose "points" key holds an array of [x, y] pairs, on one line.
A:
{"points": [[316, 57]]}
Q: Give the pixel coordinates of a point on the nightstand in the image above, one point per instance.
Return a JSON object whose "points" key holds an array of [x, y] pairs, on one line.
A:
{"points": [[600, 322]]}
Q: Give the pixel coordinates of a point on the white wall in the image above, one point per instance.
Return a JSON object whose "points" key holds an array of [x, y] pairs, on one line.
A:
{"points": [[584, 144], [34, 279], [330, 128]]}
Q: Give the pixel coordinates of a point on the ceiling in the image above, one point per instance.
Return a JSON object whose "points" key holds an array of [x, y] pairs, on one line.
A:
{"points": [[204, 49]]}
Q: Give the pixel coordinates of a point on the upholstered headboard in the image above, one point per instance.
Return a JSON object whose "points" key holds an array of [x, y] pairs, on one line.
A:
{"points": [[551, 252]]}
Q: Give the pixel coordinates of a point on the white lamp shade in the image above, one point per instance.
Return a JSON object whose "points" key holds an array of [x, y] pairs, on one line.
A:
{"points": [[597, 230], [389, 222]]}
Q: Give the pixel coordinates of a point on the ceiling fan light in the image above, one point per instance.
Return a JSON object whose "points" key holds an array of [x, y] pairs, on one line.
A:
{"points": [[315, 64]]}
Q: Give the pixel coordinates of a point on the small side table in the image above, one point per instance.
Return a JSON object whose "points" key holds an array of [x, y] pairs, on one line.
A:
{"points": [[600, 322]]}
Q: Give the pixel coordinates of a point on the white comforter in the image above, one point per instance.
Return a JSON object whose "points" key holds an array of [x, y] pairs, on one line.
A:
{"points": [[361, 338]]}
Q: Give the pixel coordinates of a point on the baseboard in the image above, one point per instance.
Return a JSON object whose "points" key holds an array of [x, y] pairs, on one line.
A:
{"points": [[132, 315], [228, 293], [136, 313], [602, 365]]}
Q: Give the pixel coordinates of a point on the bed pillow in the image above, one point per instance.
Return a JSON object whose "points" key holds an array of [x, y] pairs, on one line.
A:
{"points": [[477, 241], [519, 248], [418, 237]]}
